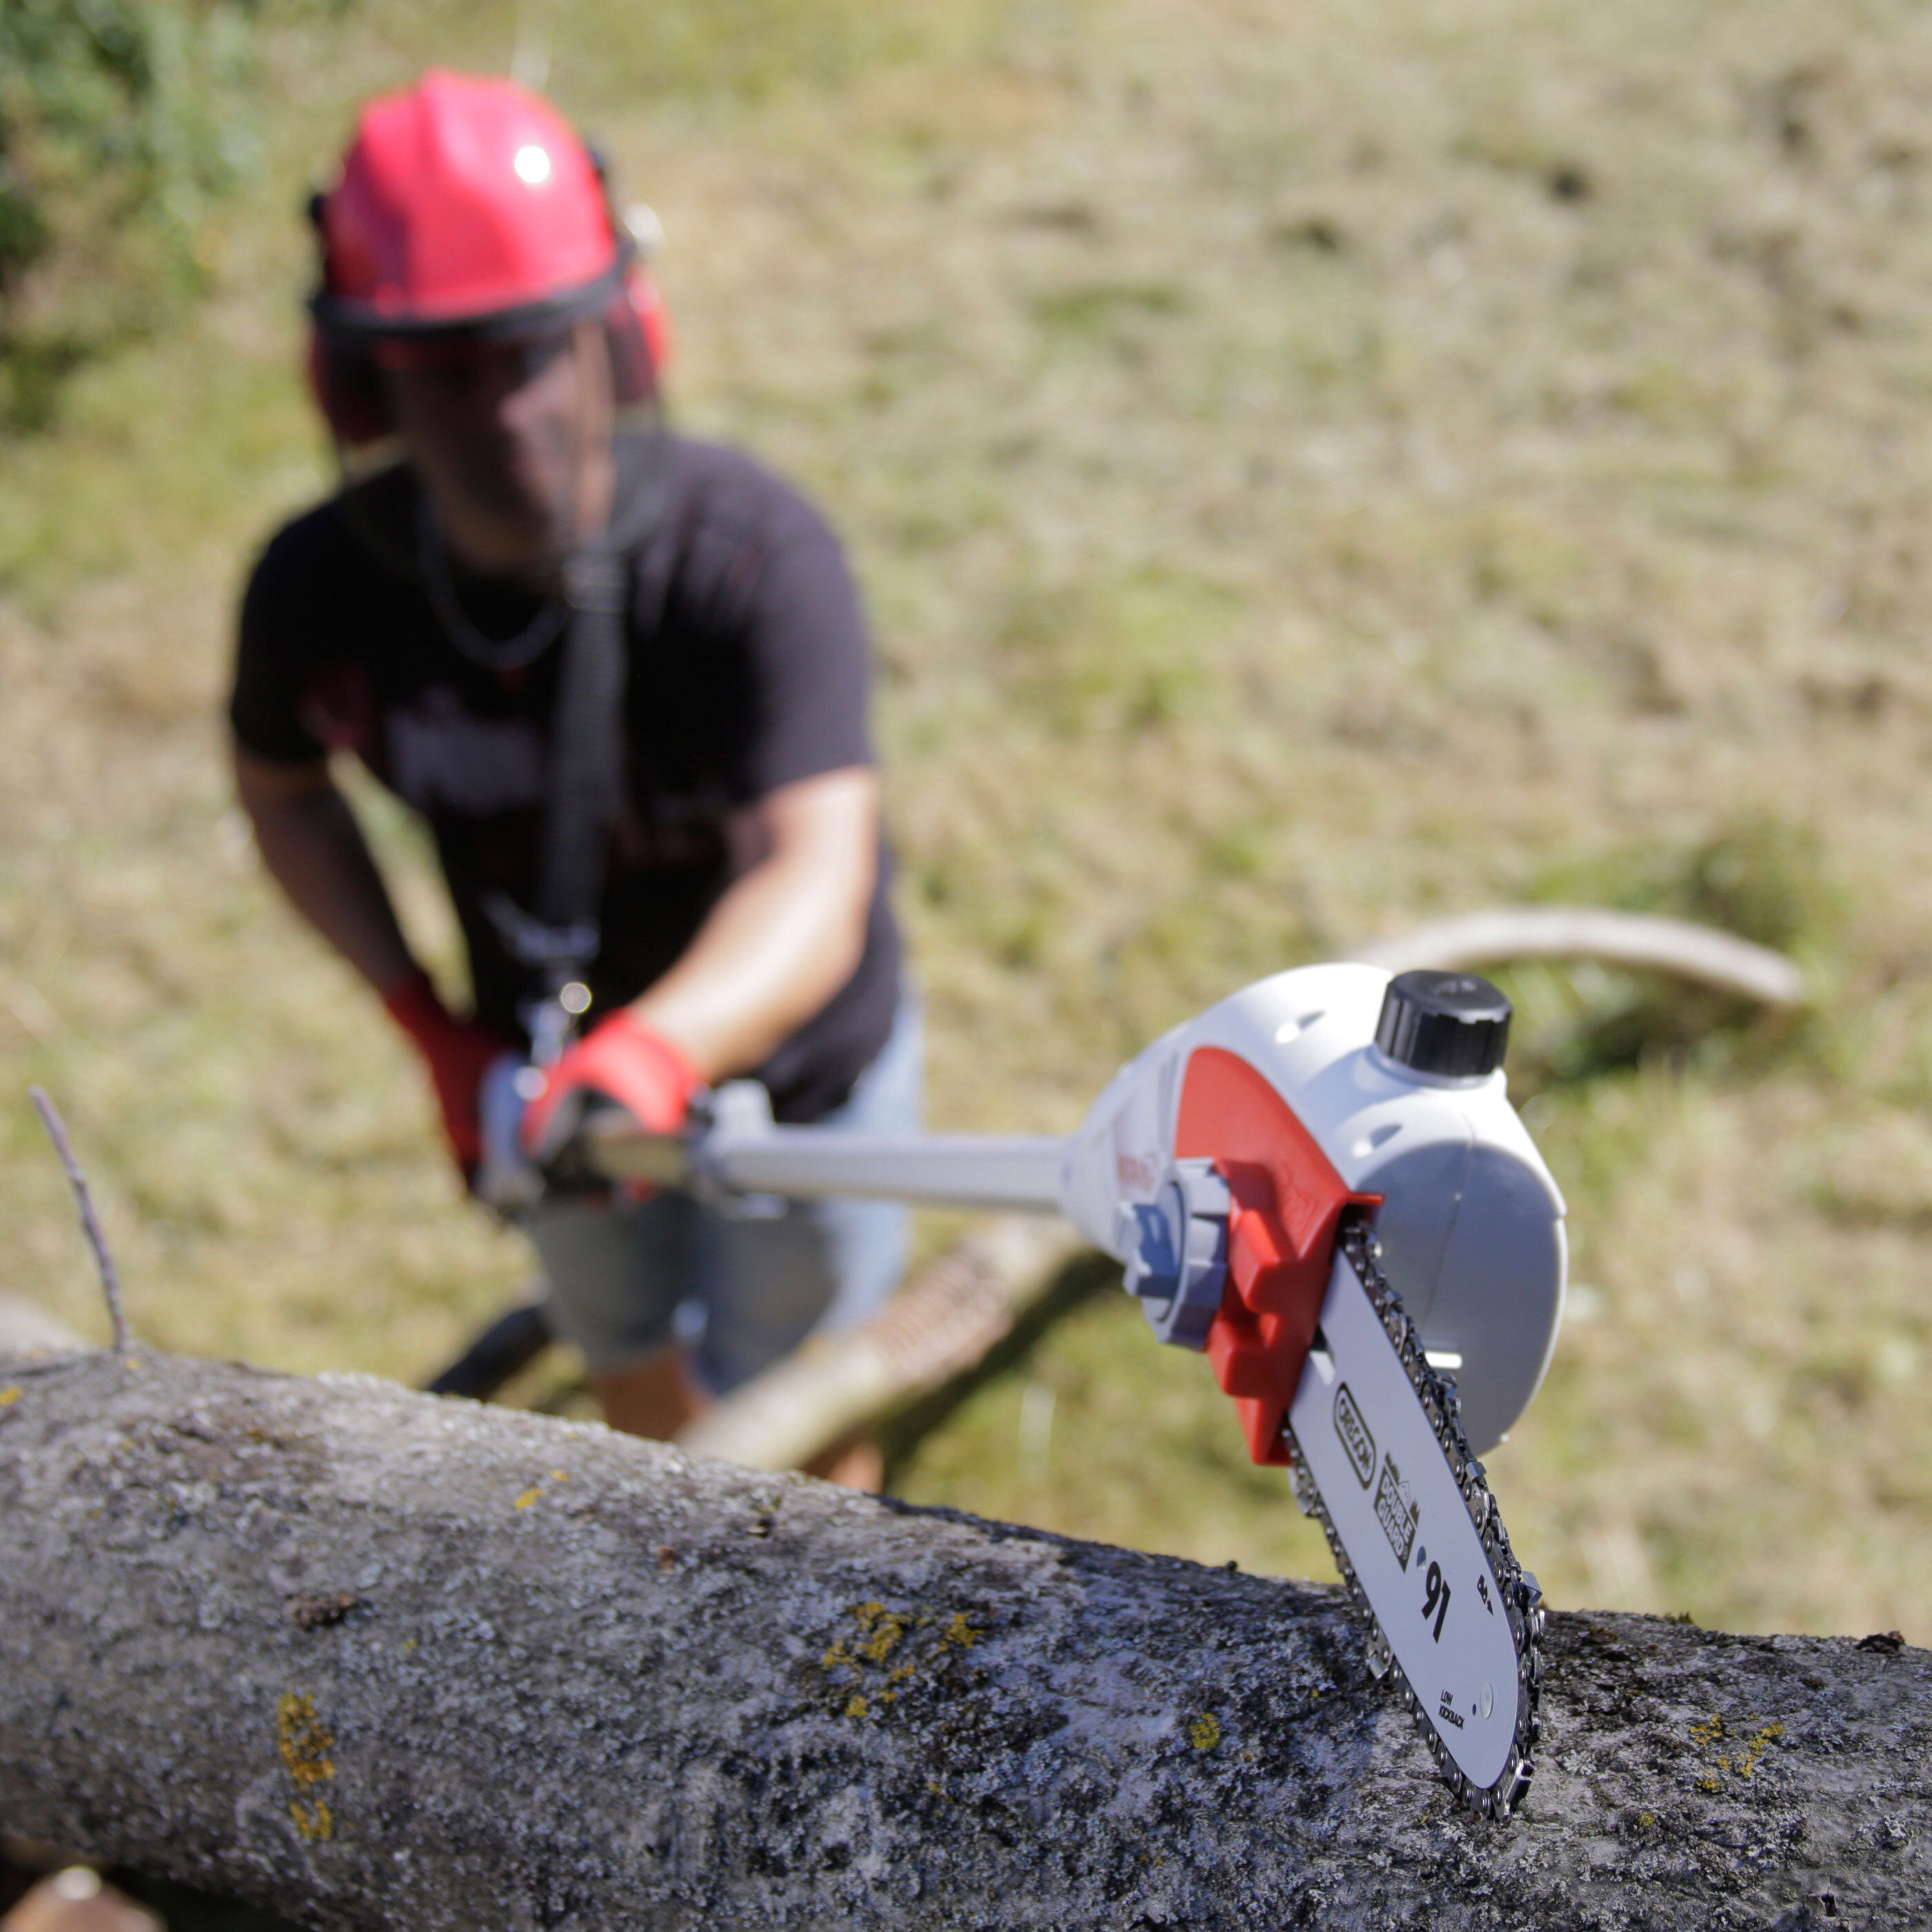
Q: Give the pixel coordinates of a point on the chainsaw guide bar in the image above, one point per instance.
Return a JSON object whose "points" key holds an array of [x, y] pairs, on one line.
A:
{"points": [[1514, 1628]]}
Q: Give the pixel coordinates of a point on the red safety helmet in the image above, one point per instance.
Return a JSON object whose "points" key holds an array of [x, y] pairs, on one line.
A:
{"points": [[468, 209]]}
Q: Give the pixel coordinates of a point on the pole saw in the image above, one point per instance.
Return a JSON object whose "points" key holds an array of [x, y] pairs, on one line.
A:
{"points": [[1321, 1184]]}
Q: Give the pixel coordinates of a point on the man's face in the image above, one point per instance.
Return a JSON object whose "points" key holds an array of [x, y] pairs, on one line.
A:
{"points": [[512, 441]]}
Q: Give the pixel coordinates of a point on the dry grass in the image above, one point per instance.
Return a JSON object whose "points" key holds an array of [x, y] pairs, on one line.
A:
{"points": [[1312, 471]]}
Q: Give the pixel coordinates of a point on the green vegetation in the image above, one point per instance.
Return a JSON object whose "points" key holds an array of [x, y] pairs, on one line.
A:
{"points": [[120, 124], [1313, 470]]}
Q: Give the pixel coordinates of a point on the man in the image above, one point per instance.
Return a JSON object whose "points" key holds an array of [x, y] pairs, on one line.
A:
{"points": [[481, 313]]}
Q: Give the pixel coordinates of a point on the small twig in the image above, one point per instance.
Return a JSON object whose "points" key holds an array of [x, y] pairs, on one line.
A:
{"points": [[90, 1222]]}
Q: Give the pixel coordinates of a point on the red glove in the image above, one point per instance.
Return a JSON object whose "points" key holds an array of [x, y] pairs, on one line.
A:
{"points": [[458, 1053], [651, 1077]]}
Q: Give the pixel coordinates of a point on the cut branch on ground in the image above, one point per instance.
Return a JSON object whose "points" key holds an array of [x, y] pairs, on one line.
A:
{"points": [[933, 1335]]}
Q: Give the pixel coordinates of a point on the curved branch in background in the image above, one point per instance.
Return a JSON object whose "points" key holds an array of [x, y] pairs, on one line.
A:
{"points": [[1674, 945]]}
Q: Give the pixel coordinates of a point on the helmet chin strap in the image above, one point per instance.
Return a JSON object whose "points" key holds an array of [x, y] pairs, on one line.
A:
{"points": [[594, 440]]}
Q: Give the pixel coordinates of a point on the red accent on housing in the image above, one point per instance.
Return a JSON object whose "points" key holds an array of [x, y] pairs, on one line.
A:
{"points": [[1286, 1207]]}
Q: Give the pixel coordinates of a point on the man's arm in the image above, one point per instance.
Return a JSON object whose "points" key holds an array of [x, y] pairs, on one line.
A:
{"points": [[788, 931], [314, 850]]}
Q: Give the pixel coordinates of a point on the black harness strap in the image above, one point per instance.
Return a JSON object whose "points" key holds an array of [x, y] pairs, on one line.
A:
{"points": [[587, 763], [587, 746]]}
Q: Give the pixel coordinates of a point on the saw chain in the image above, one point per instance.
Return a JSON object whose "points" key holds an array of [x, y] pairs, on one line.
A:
{"points": [[1521, 1596]]}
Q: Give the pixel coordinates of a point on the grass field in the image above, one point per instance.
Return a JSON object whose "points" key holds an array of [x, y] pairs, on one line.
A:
{"points": [[1312, 470]]}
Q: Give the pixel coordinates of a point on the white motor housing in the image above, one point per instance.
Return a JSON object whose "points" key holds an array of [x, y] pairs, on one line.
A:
{"points": [[1471, 1222]]}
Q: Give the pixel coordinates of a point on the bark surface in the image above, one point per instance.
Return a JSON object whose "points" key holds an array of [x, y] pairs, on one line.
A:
{"points": [[387, 1661]]}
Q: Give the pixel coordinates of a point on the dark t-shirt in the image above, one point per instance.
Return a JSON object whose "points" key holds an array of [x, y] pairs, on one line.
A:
{"points": [[748, 670]]}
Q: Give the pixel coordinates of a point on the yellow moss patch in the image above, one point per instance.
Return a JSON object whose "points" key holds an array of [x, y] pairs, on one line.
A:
{"points": [[305, 1740], [312, 1821], [885, 1637], [1743, 1762], [534, 1494], [8, 1396], [1748, 1762], [1204, 1733], [916, 1637]]}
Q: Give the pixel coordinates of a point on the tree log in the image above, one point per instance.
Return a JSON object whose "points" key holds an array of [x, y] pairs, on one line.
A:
{"points": [[383, 1660]]}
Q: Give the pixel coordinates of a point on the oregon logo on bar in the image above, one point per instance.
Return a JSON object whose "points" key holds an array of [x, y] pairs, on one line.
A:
{"points": [[1396, 1510], [1354, 1434]]}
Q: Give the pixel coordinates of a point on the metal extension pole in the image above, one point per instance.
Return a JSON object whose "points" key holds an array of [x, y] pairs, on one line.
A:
{"points": [[1012, 1173], [1004, 1173]]}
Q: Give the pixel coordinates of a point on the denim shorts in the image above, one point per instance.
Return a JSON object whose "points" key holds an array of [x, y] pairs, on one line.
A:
{"points": [[625, 1279]]}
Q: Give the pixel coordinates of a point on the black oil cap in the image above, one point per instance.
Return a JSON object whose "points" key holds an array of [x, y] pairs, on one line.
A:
{"points": [[1451, 1023]]}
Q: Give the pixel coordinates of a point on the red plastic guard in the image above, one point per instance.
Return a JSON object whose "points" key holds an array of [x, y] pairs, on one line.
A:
{"points": [[1287, 1202]]}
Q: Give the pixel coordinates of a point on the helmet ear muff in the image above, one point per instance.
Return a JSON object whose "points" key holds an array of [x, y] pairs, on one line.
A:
{"points": [[637, 327], [347, 388]]}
